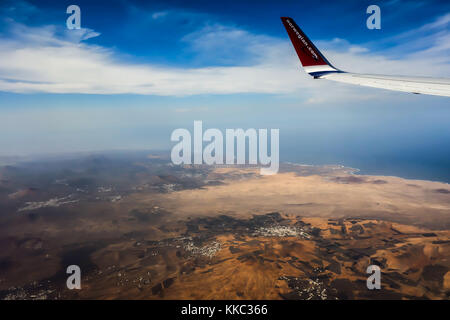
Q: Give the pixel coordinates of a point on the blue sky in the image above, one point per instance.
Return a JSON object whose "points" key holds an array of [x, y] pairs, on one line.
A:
{"points": [[155, 31], [139, 69]]}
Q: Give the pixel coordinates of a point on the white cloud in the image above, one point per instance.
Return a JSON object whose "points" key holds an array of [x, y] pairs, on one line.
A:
{"points": [[46, 60], [37, 60], [442, 21], [159, 14]]}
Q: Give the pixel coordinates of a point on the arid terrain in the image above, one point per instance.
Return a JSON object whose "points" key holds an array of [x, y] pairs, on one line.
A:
{"points": [[141, 228]]}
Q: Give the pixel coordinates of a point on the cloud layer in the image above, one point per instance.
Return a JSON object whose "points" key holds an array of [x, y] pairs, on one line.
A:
{"points": [[52, 60]]}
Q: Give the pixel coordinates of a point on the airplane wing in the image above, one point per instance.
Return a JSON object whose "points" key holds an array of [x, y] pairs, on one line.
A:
{"points": [[316, 65]]}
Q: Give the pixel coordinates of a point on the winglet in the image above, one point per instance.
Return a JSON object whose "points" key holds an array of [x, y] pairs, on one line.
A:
{"points": [[314, 63]]}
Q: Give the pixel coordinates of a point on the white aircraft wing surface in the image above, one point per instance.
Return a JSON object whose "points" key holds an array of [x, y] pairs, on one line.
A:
{"points": [[316, 65]]}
